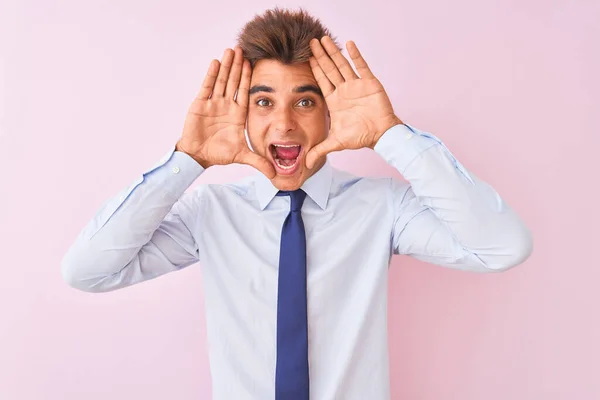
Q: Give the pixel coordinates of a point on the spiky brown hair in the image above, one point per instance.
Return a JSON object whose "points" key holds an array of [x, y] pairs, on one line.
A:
{"points": [[281, 34]]}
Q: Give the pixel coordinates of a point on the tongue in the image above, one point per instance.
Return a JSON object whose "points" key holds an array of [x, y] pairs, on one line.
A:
{"points": [[287, 153]]}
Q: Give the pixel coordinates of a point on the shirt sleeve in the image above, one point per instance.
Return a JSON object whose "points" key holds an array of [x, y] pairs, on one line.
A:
{"points": [[446, 215], [140, 233]]}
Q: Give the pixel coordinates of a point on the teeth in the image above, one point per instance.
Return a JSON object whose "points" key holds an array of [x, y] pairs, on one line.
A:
{"points": [[289, 145], [285, 166]]}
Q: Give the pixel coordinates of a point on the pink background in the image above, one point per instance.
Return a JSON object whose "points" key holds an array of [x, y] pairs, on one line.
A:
{"points": [[93, 94]]}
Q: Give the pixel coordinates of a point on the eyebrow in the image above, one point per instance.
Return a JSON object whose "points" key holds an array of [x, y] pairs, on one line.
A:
{"points": [[299, 89]]}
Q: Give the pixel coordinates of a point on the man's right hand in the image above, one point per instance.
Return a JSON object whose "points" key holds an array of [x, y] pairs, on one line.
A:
{"points": [[213, 132]]}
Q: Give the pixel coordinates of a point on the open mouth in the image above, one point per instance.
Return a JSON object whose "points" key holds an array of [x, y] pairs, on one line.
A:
{"points": [[286, 157]]}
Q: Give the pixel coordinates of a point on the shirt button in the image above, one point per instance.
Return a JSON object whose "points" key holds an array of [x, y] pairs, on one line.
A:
{"points": [[409, 136], [175, 170]]}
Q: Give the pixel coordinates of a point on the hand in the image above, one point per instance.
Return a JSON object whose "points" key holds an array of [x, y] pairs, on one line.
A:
{"points": [[213, 133], [359, 107]]}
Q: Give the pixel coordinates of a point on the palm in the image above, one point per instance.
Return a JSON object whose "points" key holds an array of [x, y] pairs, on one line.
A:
{"points": [[354, 106], [221, 123]]}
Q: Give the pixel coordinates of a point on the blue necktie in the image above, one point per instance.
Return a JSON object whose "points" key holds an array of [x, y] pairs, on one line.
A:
{"points": [[291, 373]]}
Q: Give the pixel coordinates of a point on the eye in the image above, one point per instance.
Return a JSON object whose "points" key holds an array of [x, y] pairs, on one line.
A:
{"points": [[258, 102], [264, 102], [311, 103]]}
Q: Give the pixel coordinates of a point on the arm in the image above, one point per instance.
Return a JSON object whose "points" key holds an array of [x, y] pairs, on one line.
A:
{"points": [[145, 232], [140, 234], [446, 215]]}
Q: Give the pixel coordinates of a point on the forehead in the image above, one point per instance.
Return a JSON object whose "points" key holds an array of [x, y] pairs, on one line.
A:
{"points": [[281, 76]]}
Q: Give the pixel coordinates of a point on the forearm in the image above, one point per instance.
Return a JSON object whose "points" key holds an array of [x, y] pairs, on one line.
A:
{"points": [[472, 211], [114, 240]]}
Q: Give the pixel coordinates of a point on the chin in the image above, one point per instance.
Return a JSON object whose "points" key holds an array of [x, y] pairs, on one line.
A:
{"points": [[288, 182]]}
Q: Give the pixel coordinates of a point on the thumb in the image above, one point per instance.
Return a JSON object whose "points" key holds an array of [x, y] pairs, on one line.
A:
{"points": [[249, 157], [321, 150]]}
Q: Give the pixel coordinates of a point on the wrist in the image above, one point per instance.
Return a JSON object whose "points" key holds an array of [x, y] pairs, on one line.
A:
{"points": [[384, 126], [181, 148]]}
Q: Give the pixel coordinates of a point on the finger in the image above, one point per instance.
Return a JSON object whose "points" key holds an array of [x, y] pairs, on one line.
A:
{"points": [[244, 88], [324, 83], [234, 76], [361, 65], [226, 62], [249, 157], [327, 65], [338, 58], [322, 149], [209, 80]]}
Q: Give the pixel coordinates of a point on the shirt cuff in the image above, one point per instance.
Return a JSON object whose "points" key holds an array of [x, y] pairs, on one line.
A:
{"points": [[401, 144], [176, 171]]}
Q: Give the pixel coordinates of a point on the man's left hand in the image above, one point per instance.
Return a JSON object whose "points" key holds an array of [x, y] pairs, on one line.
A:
{"points": [[359, 107]]}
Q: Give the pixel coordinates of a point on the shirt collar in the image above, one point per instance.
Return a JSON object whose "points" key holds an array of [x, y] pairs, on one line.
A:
{"points": [[316, 187]]}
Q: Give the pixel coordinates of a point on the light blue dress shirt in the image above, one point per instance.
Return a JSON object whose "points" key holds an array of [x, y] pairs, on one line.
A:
{"points": [[444, 215]]}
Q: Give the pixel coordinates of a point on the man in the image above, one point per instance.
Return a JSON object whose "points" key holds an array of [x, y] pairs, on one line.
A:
{"points": [[295, 259]]}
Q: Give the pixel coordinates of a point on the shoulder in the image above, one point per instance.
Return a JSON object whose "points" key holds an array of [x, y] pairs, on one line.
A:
{"points": [[207, 193], [374, 190], [345, 181]]}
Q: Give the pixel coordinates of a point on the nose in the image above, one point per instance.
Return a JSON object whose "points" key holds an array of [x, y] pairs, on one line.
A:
{"points": [[283, 121]]}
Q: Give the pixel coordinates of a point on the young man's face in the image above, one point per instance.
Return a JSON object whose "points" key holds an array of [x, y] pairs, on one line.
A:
{"points": [[287, 116]]}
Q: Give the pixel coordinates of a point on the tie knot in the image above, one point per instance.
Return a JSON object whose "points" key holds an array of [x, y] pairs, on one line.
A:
{"points": [[296, 196]]}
